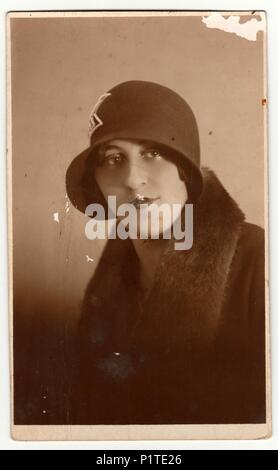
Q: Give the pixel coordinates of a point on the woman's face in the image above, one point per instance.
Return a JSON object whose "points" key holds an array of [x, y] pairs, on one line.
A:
{"points": [[139, 173]]}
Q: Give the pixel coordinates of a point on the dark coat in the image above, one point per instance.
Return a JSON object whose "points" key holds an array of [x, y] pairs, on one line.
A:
{"points": [[194, 352]]}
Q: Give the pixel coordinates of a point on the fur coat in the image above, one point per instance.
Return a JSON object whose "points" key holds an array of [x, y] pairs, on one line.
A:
{"points": [[194, 351]]}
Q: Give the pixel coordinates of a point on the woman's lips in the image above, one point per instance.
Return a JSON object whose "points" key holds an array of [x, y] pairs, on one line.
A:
{"points": [[140, 200]]}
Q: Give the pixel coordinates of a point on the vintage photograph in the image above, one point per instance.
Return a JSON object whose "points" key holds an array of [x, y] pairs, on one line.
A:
{"points": [[138, 230]]}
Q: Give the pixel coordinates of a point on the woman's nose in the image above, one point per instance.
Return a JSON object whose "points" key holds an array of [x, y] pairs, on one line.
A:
{"points": [[136, 177]]}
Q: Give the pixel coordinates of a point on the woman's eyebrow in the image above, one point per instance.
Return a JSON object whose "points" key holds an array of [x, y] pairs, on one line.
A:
{"points": [[109, 147]]}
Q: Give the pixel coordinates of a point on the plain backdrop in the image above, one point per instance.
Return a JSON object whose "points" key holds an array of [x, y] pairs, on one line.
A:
{"points": [[60, 66]]}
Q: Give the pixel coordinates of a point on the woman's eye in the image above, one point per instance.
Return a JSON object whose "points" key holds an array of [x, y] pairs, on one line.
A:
{"points": [[113, 159], [152, 153]]}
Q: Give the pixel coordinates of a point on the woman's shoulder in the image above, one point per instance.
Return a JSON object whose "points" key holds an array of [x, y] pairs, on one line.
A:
{"points": [[252, 238], [248, 265], [253, 231]]}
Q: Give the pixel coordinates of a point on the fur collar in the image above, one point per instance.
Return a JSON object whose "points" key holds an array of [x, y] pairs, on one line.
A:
{"points": [[190, 285]]}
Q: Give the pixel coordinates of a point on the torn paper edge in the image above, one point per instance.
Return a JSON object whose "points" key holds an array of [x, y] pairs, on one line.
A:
{"points": [[247, 30]]}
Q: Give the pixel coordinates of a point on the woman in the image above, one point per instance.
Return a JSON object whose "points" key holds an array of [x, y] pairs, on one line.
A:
{"points": [[166, 336]]}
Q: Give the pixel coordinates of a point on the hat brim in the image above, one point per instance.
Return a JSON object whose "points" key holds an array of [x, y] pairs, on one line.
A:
{"points": [[74, 177]]}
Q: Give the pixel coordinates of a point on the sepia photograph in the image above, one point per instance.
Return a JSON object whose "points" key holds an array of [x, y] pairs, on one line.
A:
{"points": [[138, 225]]}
